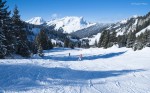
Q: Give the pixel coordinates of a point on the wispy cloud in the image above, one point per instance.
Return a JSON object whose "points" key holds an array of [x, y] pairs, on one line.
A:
{"points": [[54, 15], [139, 3]]}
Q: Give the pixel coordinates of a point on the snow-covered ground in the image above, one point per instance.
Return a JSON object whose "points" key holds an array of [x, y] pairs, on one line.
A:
{"points": [[110, 70]]}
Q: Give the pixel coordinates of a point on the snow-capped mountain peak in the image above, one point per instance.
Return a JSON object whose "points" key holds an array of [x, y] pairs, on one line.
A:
{"points": [[70, 23], [36, 21], [124, 21], [135, 16]]}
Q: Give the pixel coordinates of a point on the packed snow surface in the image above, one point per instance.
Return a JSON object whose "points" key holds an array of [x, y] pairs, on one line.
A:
{"points": [[113, 70]]}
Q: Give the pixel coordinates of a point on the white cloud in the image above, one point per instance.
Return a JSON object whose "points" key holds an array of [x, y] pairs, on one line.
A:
{"points": [[139, 3], [54, 15]]}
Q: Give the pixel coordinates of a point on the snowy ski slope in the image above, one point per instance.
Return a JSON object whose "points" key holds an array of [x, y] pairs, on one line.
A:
{"points": [[110, 70]]}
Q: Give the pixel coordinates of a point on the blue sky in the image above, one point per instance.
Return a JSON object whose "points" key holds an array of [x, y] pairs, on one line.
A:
{"points": [[91, 10]]}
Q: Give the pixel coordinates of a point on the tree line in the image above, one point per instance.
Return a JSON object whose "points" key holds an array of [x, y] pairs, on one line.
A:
{"points": [[129, 39], [109, 38]]}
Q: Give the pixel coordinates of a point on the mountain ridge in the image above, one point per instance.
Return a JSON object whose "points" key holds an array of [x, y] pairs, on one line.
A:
{"points": [[69, 23], [36, 21]]}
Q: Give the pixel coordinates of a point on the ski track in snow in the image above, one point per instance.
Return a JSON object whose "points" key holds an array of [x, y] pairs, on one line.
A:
{"points": [[110, 70]]}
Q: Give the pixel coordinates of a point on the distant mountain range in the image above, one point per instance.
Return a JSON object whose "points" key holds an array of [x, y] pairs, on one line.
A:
{"points": [[36, 21], [68, 24], [77, 26]]}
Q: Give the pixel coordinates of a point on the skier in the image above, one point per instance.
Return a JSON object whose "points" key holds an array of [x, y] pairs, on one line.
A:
{"points": [[69, 54], [80, 57]]}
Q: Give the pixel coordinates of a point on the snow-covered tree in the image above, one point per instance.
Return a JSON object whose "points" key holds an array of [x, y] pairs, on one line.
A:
{"points": [[121, 40], [71, 45], [3, 49], [40, 51], [20, 34], [130, 39], [104, 39], [50, 45], [6, 27], [43, 40], [66, 42], [95, 44]]}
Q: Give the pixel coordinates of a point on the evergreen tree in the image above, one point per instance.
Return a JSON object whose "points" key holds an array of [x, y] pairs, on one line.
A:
{"points": [[137, 45], [54, 44], [20, 32], [130, 39], [66, 42], [60, 30], [58, 44], [3, 49], [6, 27], [79, 44], [121, 40], [71, 45], [104, 39], [33, 47], [95, 44], [142, 41], [148, 38], [43, 40], [112, 39], [101, 39], [50, 45], [40, 51], [87, 45]]}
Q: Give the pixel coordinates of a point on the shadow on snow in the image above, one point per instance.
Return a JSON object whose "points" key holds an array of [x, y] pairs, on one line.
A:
{"points": [[59, 50], [24, 77], [75, 58]]}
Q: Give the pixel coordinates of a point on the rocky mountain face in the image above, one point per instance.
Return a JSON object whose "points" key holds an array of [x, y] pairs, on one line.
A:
{"points": [[90, 31]]}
